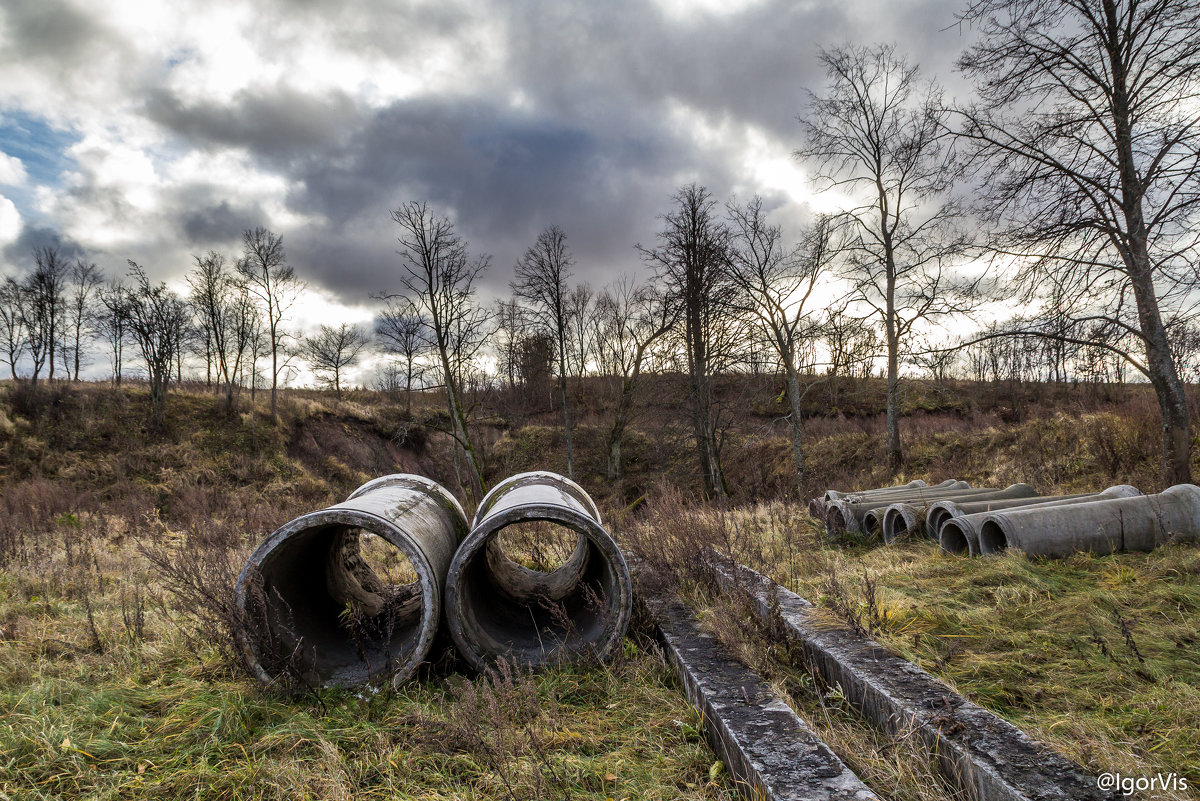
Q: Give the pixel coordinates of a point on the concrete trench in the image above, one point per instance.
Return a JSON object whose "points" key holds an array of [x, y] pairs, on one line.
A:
{"points": [[988, 758], [770, 751]]}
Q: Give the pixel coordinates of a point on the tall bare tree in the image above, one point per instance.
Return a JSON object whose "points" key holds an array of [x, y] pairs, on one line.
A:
{"points": [[47, 304], [226, 313], [400, 330], [80, 311], [273, 282], [112, 323], [541, 281], [12, 322], [157, 321], [690, 261], [777, 282], [631, 319], [439, 278], [331, 350], [877, 136], [1088, 132]]}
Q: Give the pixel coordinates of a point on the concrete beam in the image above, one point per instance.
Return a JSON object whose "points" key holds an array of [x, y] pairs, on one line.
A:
{"points": [[770, 751], [983, 754]]}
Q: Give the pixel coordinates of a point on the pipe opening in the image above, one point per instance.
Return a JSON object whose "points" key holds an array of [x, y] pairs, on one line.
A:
{"points": [[337, 604], [992, 539], [504, 609], [953, 539], [536, 560]]}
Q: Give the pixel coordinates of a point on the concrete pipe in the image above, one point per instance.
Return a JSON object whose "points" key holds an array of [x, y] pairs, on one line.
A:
{"points": [[909, 518], [916, 483], [942, 511], [499, 609], [960, 534], [879, 499], [1139, 523], [316, 604], [843, 515], [816, 508]]}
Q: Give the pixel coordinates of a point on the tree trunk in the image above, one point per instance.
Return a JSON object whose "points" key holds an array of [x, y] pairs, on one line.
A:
{"points": [[617, 432], [460, 425], [793, 391], [562, 386]]}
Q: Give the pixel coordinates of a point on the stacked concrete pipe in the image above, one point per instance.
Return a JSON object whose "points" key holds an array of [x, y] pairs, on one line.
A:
{"points": [[1140, 523], [497, 609], [909, 517], [817, 506], [317, 611], [848, 514], [959, 533]]}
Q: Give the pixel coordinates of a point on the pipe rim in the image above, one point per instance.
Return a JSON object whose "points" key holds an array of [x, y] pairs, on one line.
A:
{"points": [[993, 539], [534, 477], [474, 546], [954, 540], [374, 524]]}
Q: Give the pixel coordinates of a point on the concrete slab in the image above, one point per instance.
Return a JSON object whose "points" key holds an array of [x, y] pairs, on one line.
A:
{"points": [[770, 751], [985, 755]]}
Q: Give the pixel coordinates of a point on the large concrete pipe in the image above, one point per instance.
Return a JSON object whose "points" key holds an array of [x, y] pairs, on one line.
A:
{"points": [[498, 609], [1120, 524], [909, 518], [942, 511], [843, 515], [318, 610], [959, 534]]}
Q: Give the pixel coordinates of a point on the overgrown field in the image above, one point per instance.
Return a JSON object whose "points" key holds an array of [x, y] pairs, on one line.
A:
{"points": [[118, 547], [1099, 656]]}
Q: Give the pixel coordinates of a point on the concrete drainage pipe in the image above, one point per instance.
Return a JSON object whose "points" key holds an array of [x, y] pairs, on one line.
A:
{"points": [[578, 604], [842, 514], [909, 518], [942, 511], [352, 594], [1103, 526]]}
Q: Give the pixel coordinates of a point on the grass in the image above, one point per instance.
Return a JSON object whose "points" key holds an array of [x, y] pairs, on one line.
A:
{"points": [[1098, 656], [104, 695]]}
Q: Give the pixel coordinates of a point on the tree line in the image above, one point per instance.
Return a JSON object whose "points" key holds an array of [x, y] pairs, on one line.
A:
{"points": [[1065, 195]]}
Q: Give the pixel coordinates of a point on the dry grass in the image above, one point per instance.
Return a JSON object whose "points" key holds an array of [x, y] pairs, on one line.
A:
{"points": [[1095, 655]]}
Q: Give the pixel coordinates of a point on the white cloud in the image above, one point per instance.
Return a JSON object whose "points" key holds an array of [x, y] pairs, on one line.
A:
{"points": [[10, 221], [12, 171]]}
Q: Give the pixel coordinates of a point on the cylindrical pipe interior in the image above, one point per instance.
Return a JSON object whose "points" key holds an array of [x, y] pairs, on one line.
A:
{"points": [[340, 604], [992, 539], [953, 539]]}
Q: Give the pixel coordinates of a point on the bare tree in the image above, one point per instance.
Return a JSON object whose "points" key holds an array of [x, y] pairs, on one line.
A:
{"points": [[777, 283], [439, 281], [877, 135], [79, 311], [45, 305], [400, 330], [1088, 131], [12, 322], [157, 319], [226, 313], [331, 350], [541, 281], [273, 282], [581, 315], [510, 330], [631, 319], [112, 323], [690, 261]]}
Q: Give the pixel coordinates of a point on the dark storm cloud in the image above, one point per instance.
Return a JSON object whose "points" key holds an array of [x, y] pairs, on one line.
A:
{"points": [[573, 126], [273, 121], [19, 252], [54, 32], [215, 223], [506, 174]]}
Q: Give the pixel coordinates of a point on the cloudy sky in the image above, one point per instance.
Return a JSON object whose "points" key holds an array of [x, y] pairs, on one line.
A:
{"points": [[154, 131]]}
